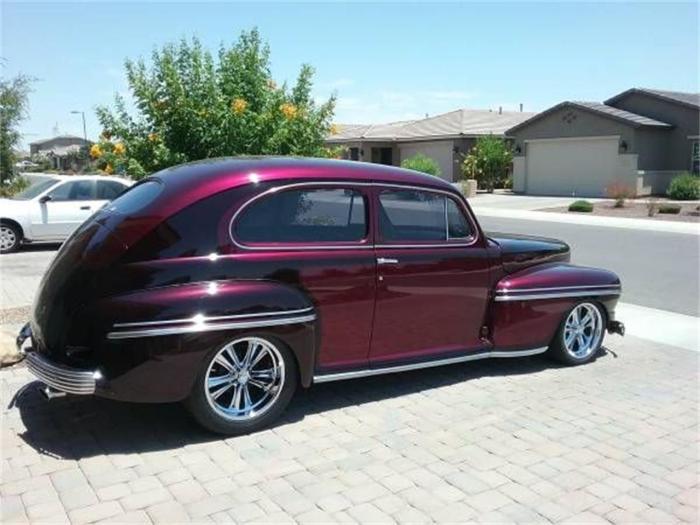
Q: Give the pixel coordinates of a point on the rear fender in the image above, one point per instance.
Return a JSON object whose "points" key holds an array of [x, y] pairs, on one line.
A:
{"points": [[529, 305], [153, 341]]}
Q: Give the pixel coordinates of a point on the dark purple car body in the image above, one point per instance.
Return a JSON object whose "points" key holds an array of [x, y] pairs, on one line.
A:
{"points": [[351, 269]]}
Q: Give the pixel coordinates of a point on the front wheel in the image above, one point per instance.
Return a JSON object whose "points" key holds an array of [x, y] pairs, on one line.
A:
{"points": [[244, 386], [580, 334], [10, 237]]}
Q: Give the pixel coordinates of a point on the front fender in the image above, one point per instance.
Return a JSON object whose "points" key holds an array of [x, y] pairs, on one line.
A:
{"points": [[167, 331], [529, 305]]}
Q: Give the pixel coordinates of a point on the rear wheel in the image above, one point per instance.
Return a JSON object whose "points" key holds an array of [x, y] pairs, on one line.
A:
{"points": [[10, 237], [580, 334], [244, 386]]}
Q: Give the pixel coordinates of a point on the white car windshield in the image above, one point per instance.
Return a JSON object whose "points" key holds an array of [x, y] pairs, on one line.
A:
{"points": [[35, 189]]}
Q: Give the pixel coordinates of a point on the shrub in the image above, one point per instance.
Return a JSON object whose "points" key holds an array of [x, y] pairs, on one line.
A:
{"points": [[674, 209], [685, 187], [619, 192], [422, 163], [488, 162], [13, 186], [582, 206]]}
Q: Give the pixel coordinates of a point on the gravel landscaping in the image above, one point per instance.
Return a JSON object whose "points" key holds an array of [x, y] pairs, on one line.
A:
{"points": [[639, 210]]}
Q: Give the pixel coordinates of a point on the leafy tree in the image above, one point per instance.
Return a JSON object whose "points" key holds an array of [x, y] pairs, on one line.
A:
{"points": [[422, 163], [488, 162], [14, 100], [191, 105]]}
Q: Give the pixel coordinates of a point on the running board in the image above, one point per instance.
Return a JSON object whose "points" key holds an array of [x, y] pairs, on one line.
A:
{"points": [[340, 376]]}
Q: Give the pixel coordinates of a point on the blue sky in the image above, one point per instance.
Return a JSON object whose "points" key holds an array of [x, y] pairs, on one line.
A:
{"points": [[386, 61]]}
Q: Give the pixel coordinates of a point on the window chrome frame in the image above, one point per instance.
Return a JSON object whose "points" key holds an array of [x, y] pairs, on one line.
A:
{"points": [[370, 241]]}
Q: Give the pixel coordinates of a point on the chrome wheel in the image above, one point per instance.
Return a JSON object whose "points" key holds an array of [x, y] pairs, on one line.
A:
{"points": [[245, 378], [8, 238], [583, 330]]}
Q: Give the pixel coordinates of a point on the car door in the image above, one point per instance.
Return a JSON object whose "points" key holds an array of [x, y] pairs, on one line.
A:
{"points": [[63, 209], [317, 237], [432, 275]]}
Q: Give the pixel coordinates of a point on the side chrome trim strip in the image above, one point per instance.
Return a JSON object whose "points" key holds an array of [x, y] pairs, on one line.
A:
{"points": [[556, 295], [341, 376], [555, 288], [205, 319], [198, 327]]}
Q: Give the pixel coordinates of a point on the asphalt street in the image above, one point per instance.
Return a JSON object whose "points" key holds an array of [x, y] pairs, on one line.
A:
{"points": [[658, 269]]}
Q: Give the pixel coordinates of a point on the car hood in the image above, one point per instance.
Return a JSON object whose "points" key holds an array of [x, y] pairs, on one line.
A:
{"points": [[13, 207], [522, 251]]}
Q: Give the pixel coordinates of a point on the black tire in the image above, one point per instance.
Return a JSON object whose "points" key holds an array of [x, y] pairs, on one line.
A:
{"points": [[558, 348], [10, 231], [202, 406]]}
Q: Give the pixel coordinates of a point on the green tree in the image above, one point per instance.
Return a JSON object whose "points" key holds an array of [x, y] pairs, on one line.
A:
{"points": [[422, 163], [14, 101], [488, 162], [191, 105]]}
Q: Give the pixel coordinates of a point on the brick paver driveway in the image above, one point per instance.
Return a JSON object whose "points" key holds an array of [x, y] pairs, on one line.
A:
{"points": [[508, 440]]}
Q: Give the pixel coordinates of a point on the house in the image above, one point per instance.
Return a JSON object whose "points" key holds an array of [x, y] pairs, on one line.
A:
{"points": [[445, 138], [61, 150], [639, 139]]}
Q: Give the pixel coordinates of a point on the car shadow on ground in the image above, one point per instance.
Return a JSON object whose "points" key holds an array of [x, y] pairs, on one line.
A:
{"points": [[75, 427]]}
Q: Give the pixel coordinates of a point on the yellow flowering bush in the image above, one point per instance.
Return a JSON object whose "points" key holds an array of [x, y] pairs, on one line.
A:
{"points": [[335, 129], [95, 151], [191, 104], [239, 106], [289, 110]]}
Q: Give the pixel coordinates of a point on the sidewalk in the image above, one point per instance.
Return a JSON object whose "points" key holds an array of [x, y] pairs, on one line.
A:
{"points": [[688, 228]]}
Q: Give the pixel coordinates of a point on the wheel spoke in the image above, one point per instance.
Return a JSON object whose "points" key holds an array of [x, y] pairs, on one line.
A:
{"points": [[213, 382], [247, 403], [581, 343], [236, 398], [233, 357], [569, 338], [222, 361], [259, 384], [258, 357], [218, 393], [268, 373]]}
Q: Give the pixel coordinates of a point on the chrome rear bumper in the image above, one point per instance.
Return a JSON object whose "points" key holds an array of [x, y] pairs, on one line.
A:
{"points": [[62, 378]]}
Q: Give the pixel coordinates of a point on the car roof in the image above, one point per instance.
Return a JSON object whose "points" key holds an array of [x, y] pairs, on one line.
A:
{"points": [[213, 175]]}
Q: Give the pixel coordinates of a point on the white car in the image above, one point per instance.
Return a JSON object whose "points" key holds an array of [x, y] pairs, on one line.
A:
{"points": [[52, 208]]}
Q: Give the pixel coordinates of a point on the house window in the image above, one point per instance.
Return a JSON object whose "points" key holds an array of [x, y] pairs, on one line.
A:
{"points": [[695, 157], [382, 156], [354, 153]]}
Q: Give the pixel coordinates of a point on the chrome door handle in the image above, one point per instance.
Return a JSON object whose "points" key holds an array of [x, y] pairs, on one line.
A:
{"points": [[85, 207], [384, 260]]}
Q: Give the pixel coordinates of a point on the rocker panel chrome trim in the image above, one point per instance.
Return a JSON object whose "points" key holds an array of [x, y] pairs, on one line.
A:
{"points": [[341, 376], [204, 327]]}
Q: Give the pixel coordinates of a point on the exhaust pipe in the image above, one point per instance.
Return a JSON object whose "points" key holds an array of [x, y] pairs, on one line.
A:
{"points": [[616, 327], [51, 393]]}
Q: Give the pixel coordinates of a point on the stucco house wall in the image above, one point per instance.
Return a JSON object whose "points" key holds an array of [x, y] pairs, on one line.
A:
{"points": [[685, 121]]}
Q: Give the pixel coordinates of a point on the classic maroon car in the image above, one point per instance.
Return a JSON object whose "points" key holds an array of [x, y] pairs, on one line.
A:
{"points": [[226, 283]]}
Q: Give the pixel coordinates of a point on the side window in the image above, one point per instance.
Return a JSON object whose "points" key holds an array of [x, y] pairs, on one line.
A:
{"points": [[108, 190], [79, 190], [457, 224], [420, 216], [304, 216]]}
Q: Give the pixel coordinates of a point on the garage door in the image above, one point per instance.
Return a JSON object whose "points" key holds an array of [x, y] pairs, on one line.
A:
{"points": [[441, 152], [581, 167]]}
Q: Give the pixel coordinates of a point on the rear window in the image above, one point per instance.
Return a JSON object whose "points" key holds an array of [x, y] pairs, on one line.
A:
{"points": [[136, 198], [304, 216]]}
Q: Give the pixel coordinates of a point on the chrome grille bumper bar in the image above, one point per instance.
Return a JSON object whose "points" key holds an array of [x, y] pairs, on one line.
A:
{"points": [[63, 378]]}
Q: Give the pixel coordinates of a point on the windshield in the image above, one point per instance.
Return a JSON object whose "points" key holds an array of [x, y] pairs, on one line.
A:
{"points": [[35, 189]]}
